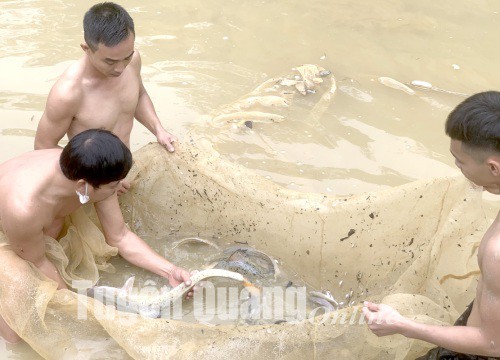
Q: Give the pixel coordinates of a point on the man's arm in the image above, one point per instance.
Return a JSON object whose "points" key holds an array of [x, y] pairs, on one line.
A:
{"points": [[26, 238], [145, 113], [57, 117], [483, 340], [384, 320], [131, 247]]}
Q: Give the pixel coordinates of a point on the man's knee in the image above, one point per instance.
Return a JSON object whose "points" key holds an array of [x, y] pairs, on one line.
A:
{"points": [[7, 333], [12, 338]]}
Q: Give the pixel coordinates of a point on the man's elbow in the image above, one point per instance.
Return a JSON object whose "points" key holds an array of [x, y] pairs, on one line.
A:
{"points": [[41, 144], [490, 347], [116, 241], [493, 350], [38, 145]]}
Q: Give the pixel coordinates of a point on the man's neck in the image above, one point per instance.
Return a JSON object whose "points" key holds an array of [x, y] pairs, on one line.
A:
{"points": [[59, 186], [92, 73]]}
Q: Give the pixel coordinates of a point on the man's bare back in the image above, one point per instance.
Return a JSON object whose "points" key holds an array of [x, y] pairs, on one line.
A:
{"points": [[27, 186], [31, 205]]}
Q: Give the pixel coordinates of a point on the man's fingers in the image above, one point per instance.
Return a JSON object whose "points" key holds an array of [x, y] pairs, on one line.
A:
{"points": [[371, 306], [170, 147], [186, 278], [367, 313]]}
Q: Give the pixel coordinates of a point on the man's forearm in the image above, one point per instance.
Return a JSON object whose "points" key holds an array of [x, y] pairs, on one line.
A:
{"points": [[145, 113], [461, 339], [137, 252]]}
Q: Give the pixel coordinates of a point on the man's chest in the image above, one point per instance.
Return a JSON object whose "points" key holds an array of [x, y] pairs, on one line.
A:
{"points": [[106, 106]]}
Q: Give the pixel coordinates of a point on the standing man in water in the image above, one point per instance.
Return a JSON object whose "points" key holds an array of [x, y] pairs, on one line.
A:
{"points": [[40, 188], [474, 129], [104, 89]]}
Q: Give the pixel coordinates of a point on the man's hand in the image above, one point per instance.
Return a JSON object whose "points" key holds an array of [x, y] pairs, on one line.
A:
{"points": [[179, 275], [124, 187], [166, 139], [382, 319]]}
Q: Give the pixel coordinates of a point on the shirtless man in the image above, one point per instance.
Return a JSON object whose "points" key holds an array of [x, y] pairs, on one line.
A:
{"points": [[40, 188], [104, 89], [474, 129]]}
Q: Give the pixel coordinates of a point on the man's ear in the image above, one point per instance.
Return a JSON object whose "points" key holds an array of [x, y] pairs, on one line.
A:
{"points": [[494, 165], [85, 47], [80, 186]]}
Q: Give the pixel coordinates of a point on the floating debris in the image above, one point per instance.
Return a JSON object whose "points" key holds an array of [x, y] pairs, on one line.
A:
{"points": [[356, 93], [387, 81], [425, 85], [274, 94], [422, 84], [242, 116], [267, 100], [324, 73]]}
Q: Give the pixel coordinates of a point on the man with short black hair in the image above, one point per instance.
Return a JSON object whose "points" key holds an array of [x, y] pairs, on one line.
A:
{"points": [[40, 188], [474, 129], [104, 88]]}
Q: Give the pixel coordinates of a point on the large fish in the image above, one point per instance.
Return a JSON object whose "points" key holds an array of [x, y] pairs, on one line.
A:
{"points": [[150, 306], [249, 262]]}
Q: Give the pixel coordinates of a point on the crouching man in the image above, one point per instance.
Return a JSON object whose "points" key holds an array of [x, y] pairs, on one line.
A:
{"points": [[40, 188]]}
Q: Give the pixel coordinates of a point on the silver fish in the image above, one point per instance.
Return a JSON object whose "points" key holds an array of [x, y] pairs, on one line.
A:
{"points": [[150, 306], [194, 240], [240, 267], [327, 296], [328, 306], [257, 258]]}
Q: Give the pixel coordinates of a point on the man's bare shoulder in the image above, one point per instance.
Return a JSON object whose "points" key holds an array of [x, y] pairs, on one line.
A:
{"points": [[19, 190], [136, 62], [490, 259], [69, 87]]}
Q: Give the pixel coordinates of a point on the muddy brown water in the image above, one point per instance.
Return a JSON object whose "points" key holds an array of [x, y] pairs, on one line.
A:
{"points": [[198, 57]]}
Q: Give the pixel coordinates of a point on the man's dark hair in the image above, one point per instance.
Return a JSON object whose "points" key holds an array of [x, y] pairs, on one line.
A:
{"points": [[106, 23], [97, 156], [476, 122]]}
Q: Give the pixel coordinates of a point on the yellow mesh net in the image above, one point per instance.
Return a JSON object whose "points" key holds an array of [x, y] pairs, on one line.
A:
{"points": [[409, 247]]}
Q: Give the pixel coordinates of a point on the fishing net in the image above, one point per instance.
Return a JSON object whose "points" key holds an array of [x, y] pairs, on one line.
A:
{"points": [[413, 247]]}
